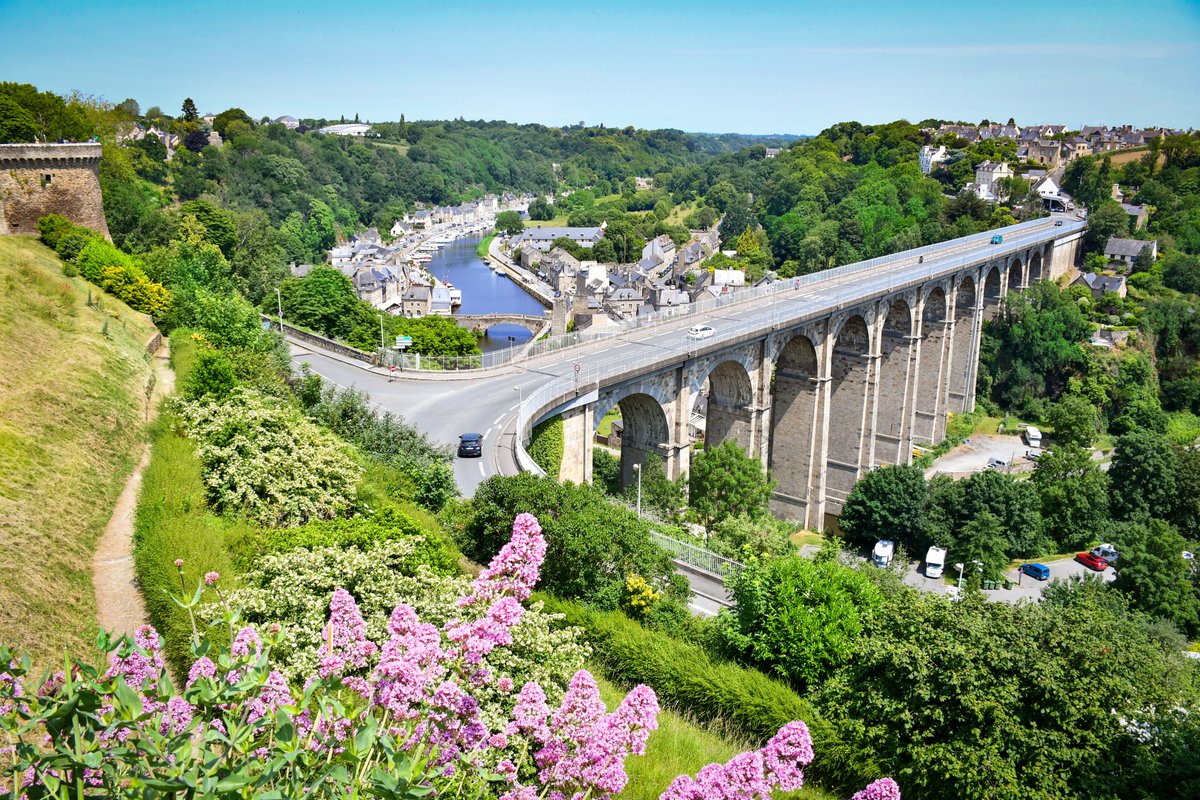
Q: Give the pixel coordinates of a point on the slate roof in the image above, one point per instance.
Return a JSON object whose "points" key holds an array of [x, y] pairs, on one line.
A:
{"points": [[1129, 248], [1104, 283]]}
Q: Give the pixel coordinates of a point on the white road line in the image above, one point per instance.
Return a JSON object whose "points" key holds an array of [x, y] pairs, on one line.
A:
{"points": [[481, 472], [497, 422]]}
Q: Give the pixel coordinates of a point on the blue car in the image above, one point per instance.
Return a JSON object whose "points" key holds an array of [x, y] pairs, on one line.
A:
{"points": [[997, 239], [1039, 571]]}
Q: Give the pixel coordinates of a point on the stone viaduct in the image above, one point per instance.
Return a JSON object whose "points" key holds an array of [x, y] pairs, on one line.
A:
{"points": [[829, 394]]}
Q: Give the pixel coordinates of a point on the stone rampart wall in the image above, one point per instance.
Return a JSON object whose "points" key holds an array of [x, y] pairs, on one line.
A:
{"points": [[41, 179]]}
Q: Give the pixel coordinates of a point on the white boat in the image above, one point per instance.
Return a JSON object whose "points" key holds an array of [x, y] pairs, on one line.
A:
{"points": [[455, 295]]}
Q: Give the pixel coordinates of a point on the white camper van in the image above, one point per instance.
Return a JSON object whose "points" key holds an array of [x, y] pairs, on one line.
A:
{"points": [[881, 556], [1033, 436], [935, 562]]}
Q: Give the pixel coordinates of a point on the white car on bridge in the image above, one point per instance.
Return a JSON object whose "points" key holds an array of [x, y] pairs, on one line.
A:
{"points": [[700, 332]]}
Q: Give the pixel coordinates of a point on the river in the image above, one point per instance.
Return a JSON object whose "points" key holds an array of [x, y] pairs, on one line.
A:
{"points": [[484, 291]]}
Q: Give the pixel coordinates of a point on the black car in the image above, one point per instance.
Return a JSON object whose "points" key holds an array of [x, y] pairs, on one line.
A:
{"points": [[470, 445]]}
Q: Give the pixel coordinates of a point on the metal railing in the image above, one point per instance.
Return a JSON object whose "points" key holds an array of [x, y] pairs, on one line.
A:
{"points": [[697, 557]]}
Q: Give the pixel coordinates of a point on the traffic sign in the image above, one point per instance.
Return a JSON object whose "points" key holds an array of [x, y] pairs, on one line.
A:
{"points": [[577, 366]]}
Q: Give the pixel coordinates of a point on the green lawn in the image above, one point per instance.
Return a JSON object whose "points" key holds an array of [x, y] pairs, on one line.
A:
{"points": [[606, 423], [72, 417]]}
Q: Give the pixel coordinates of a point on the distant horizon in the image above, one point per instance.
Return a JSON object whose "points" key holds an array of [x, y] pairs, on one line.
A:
{"points": [[694, 66]]}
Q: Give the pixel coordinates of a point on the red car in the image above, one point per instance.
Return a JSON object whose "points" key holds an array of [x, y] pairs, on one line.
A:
{"points": [[1093, 562]]}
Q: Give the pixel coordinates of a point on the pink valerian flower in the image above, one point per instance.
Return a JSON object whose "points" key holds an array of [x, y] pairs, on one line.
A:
{"points": [[139, 665], [246, 643], [11, 690], [346, 645], [504, 684], [788, 749], [515, 569], [581, 706], [272, 695], [179, 563], [177, 716], [754, 774], [477, 639], [530, 712], [203, 667], [882, 789], [411, 663], [211, 578]]}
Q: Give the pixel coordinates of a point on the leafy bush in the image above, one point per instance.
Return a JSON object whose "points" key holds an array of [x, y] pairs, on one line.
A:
{"points": [[742, 537], [685, 676], [594, 545], [263, 459], [798, 618], [211, 376], [363, 533], [546, 446]]}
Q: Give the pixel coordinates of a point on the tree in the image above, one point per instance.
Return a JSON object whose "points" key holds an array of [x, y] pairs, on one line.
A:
{"points": [[221, 121], [725, 482], [737, 218], [1074, 495], [1074, 420], [195, 141], [1153, 573], [1180, 270], [539, 209], [1143, 476], [889, 503], [509, 222], [323, 301], [1144, 261], [16, 123], [1015, 505], [798, 618], [981, 542], [1104, 222], [190, 114]]}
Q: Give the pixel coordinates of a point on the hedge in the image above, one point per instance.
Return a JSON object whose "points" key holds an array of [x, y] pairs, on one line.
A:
{"points": [[546, 446], [684, 676]]}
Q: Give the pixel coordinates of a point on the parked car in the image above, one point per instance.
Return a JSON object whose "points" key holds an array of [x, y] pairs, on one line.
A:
{"points": [[1039, 571], [996, 463], [470, 445], [1092, 561], [1033, 455], [997, 239], [1105, 551], [700, 332]]}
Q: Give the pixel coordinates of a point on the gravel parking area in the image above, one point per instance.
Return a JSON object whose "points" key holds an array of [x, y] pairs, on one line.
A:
{"points": [[972, 456], [1024, 587]]}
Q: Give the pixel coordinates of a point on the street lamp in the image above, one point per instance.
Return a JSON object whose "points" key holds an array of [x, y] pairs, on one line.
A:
{"points": [[382, 341], [959, 567], [279, 299], [638, 469], [520, 397]]}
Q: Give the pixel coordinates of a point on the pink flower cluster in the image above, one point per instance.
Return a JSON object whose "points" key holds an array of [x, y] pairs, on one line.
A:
{"points": [[515, 569], [754, 774], [346, 645], [882, 789]]}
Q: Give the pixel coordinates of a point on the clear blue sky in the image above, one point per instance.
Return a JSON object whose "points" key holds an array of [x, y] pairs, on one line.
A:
{"points": [[736, 65]]}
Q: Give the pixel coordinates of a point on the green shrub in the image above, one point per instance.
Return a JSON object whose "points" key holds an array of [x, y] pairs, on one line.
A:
{"points": [[263, 459], [211, 377], [546, 445], [53, 227], [363, 533], [686, 677], [72, 243]]}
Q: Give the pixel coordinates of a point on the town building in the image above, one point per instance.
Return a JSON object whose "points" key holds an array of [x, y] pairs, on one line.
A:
{"points": [[543, 238], [930, 157], [1127, 250], [1100, 285], [987, 176], [288, 121]]}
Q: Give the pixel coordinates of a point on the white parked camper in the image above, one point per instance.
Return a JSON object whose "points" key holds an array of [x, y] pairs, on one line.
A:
{"points": [[1033, 436], [881, 556], [935, 562]]}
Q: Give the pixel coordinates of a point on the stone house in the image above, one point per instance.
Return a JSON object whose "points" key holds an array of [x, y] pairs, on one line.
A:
{"points": [[1127, 250], [1099, 285], [987, 174], [416, 301]]}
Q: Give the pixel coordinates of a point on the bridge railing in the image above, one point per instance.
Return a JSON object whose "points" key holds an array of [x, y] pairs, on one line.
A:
{"points": [[697, 557]]}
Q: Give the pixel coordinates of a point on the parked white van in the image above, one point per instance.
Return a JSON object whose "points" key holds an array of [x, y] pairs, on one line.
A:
{"points": [[1033, 437], [881, 556], [935, 562]]}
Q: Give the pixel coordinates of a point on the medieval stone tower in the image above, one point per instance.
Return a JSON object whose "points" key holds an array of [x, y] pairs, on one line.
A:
{"points": [[41, 179]]}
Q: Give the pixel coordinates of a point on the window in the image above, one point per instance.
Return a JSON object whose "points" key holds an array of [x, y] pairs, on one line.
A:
{"points": [[46, 179]]}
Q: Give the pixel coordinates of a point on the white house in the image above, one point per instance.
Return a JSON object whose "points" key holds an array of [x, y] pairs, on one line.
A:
{"points": [[987, 174], [543, 238], [932, 156], [288, 121], [1127, 250]]}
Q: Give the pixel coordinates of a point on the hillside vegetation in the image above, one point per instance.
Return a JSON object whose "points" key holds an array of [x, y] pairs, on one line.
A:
{"points": [[73, 381]]}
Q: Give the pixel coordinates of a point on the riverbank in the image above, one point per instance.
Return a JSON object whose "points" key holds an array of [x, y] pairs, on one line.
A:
{"points": [[536, 288]]}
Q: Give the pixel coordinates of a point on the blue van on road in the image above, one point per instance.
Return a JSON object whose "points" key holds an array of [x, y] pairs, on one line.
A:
{"points": [[1039, 571]]}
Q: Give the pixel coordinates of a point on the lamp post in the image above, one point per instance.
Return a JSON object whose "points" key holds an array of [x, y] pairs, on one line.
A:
{"points": [[638, 469], [279, 299], [382, 341], [520, 397], [959, 567]]}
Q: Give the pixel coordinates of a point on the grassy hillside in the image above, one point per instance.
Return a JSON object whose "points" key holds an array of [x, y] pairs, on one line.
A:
{"points": [[72, 411]]}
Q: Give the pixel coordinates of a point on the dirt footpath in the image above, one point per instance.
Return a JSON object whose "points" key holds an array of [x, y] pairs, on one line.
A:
{"points": [[119, 606]]}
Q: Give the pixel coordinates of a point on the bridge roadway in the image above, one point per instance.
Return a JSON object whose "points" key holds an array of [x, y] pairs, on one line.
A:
{"points": [[445, 404]]}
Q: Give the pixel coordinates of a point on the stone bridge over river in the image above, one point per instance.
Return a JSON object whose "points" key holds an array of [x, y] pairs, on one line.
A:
{"points": [[845, 371]]}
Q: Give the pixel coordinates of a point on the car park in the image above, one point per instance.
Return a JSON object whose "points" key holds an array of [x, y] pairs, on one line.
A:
{"points": [[1092, 561], [881, 556], [1037, 571], [700, 332], [470, 445]]}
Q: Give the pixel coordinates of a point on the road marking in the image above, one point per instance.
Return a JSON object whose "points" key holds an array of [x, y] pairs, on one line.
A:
{"points": [[497, 422], [481, 472]]}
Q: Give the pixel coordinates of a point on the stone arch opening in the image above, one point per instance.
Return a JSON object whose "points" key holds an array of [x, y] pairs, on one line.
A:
{"points": [[849, 390], [929, 417], [993, 293], [895, 359], [1035, 268], [962, 347], [645, 432], [795, 403], [1016, 276], [727, 400]]}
